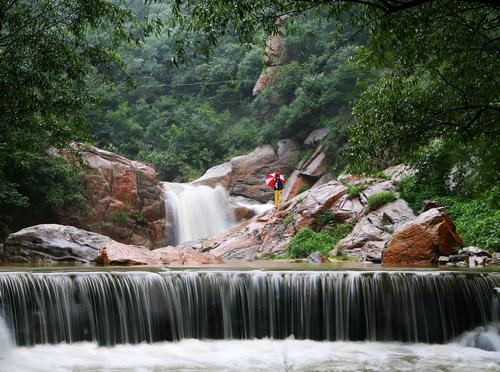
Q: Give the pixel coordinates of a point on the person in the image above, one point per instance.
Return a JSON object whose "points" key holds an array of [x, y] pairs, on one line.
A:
{"points": [[278, 187]]}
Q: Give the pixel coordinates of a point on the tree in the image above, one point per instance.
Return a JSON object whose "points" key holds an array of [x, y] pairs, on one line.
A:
{"points": [[48, 51]]}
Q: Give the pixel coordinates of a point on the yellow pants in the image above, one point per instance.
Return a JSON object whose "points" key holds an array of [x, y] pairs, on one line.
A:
{"points": [[277, 198]]}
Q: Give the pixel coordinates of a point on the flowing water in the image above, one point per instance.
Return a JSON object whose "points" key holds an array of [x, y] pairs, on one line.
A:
{"points": [[236, 321], [196, 211]]}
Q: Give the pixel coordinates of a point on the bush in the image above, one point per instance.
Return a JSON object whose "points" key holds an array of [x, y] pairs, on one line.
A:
{"points": [[354, 190], [324, 219], [378, 200], [339, 231], [477, 220], [308, 241]]}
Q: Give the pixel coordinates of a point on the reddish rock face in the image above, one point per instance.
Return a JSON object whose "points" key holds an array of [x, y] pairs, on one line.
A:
{"points": [[423, 240], [125, 201], [121, 254]]}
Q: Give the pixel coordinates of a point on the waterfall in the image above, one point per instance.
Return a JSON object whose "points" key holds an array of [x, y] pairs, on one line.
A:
{"points": [[133, 307], [196, 211]]}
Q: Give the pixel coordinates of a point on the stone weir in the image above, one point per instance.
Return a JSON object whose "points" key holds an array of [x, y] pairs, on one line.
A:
{"points": [[134, 307]]}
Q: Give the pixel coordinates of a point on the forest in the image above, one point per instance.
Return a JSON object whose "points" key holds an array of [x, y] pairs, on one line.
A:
{"points": [[170, 83]]}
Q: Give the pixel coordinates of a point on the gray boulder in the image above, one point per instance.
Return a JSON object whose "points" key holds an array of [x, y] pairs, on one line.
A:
{"points": [[53, 243], [316, 258]]}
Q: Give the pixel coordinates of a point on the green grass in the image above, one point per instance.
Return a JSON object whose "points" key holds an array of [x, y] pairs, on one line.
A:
{"points": [[120, 216], [325, 218], [354, 190], [339, 231], [308, 241], [380, 199]]}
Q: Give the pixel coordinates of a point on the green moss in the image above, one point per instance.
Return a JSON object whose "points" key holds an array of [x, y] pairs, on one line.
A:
{"points": [[308, 241], [339, 231], [325, 218], [380, 199], [354, 190]]}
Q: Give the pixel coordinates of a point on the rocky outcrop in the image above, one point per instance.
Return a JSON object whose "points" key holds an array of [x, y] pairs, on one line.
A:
{"points": [[423, 240], [275, 54], [53, 243], [398, 172], [125, 200], [121, 254], [244, 175], [371, 234]]}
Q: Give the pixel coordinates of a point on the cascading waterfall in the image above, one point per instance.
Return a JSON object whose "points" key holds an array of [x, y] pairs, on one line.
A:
{"points": [[197, 211], [132, 307]]}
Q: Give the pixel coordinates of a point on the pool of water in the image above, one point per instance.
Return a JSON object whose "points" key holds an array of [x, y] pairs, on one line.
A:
{"points": [[266, 265]]}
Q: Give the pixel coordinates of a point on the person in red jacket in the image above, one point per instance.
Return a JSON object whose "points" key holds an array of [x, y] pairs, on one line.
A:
{"points": [[278, 188]]}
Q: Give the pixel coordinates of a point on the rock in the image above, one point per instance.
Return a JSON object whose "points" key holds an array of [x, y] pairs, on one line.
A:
{"points": [[178, 256], [494, 260], [243, 213], [297, 184], [477, 261], [457, 257], [316, 165], [118, 254], [316, 136], [53, 243], [423, 240], [316, 258], [372, 232], [244, 175], [265, 80], [125, 200], [474, 251], [430, 204], [398, 172], [443, 260], [462, 264]]}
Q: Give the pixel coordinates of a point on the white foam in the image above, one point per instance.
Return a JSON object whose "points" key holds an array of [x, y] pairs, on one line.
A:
{"points": [[251, 355]]}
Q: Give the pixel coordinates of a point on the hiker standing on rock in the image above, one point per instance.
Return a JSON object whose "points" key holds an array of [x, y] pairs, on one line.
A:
{"points": [[276, 181]]}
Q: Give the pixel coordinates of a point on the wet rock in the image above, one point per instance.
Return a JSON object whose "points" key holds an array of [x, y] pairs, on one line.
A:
{"points": [[477, 261], [457, 257], [243, 213], [124, 199], [178, 256], [118, 254], [493, 260], [443, 260], [423, 240], [474, 251], [53, 243], [315, 166], [372, 232], [316, 258]]}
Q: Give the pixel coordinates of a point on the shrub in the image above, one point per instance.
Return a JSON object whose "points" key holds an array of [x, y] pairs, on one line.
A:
{"points": [[477, 220], [380, 174], [324, 219], [378, 200], [354, 190], [308, 241], [339, 231]]}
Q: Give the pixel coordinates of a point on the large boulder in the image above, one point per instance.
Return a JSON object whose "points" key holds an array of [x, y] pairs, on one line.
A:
{"points": [[244, 175], [53, 243], [372, 232], [423, 240], [121, 254], [125, 200]]}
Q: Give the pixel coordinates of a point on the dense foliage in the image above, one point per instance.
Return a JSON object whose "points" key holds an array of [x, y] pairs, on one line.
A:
{"points": [[308, 241]]}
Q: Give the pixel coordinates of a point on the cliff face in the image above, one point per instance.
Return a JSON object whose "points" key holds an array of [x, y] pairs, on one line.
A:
{"points": [[125, 200]]}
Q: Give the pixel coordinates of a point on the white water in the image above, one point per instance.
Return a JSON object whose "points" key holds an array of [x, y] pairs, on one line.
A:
{"points": [[251, 355], [197, 211]]}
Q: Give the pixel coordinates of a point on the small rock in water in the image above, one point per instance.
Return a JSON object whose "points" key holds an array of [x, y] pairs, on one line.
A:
{"points": [[451, 264], [477, 261], [474, 251], [457, 257], [443, 260], [316, 258], [462, 264]]}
